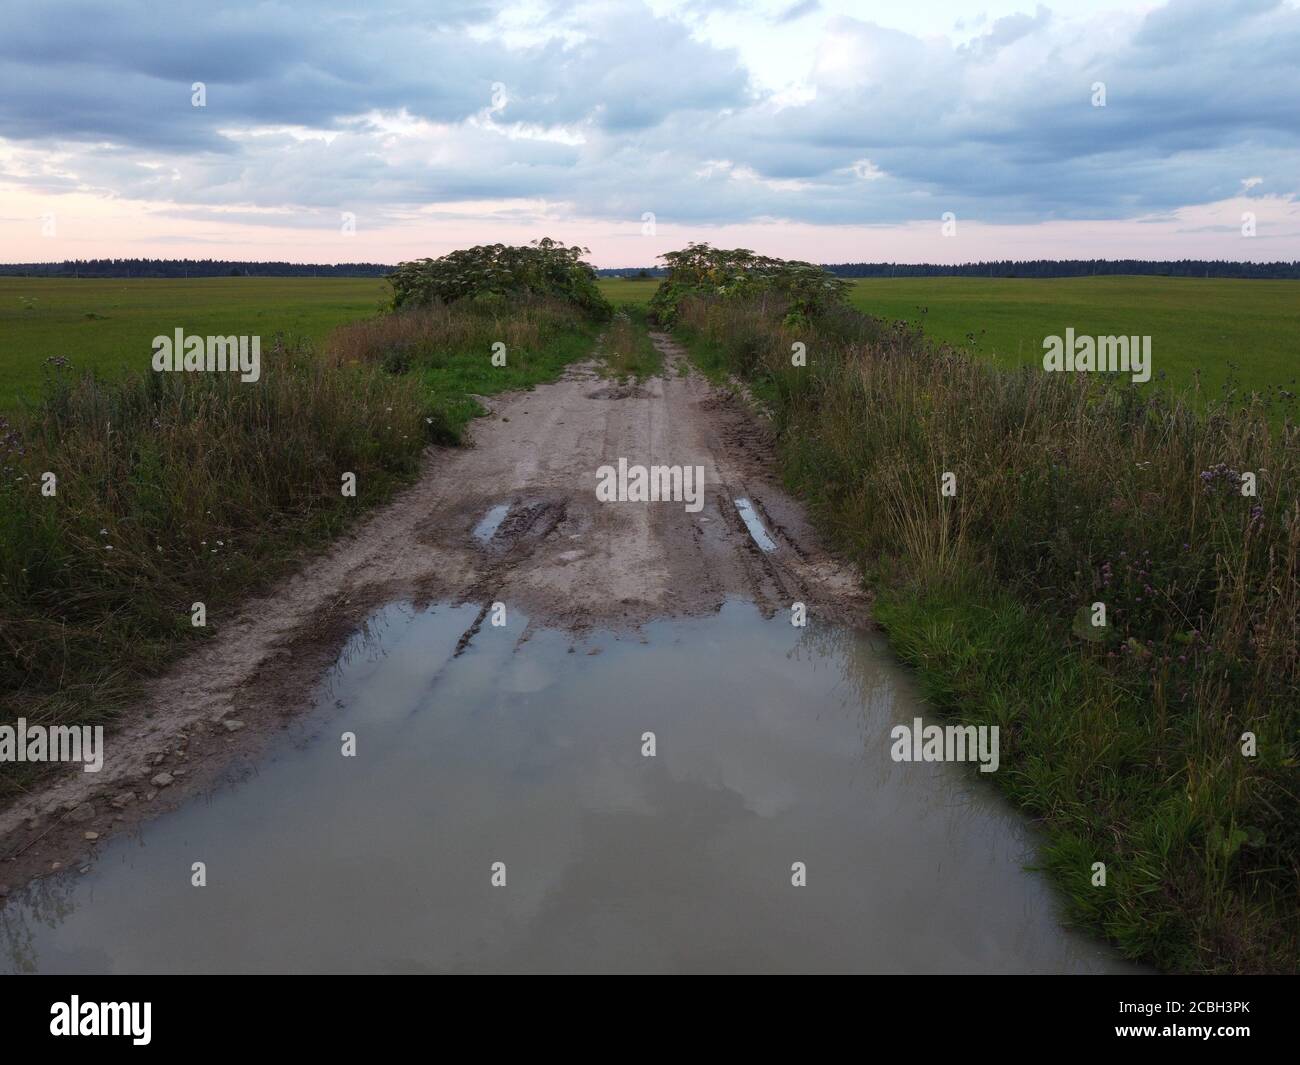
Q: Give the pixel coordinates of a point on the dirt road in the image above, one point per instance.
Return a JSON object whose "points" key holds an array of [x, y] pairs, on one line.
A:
{"points": [[559, 555]]}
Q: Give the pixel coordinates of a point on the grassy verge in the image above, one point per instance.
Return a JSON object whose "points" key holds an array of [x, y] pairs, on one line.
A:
{"points": [[628, 351], [449, 350], [1125, 739], [173, 489]]}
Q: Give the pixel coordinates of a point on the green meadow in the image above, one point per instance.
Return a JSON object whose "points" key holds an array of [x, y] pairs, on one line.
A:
{"points": [[636, 292], [108, 325], [1216, 326], [1213, 326]]}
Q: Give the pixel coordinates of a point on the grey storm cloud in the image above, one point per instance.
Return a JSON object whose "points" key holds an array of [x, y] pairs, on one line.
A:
{"points": [[798, 10], [612, 110]]}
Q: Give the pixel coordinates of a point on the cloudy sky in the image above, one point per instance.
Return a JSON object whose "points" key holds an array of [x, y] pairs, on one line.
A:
{"points": [[379, 130]]}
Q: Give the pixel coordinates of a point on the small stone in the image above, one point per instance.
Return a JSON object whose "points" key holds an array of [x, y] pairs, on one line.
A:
{"points": [[178, 772], [81, 814], [92, 836], [55, 865], [158, 759], [122, 799], [161, 780], [232, 726], [149, 796]]}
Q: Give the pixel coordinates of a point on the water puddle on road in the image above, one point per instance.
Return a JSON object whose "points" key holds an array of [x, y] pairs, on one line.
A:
{"points": [[490, 522], [755, 525], [772, 747]]}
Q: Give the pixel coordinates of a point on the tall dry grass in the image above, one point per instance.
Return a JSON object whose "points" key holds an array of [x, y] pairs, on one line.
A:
{"points": [[421, 334], [627, 349]]}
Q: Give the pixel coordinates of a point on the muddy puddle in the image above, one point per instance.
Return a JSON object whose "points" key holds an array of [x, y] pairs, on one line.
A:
{"points": [[487, 527], [527, 762]]}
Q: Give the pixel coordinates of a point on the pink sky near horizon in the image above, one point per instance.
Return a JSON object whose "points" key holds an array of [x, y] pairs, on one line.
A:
{"points": [[87, 226]]}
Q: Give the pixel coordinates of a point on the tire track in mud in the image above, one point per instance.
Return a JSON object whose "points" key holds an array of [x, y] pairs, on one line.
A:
{"points": [[515, 540], [745, 471], [561, 557]]}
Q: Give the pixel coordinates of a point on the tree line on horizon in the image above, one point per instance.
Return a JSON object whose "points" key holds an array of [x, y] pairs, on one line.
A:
{"points": [[1073, 268], [164, 268], [190, 268]]}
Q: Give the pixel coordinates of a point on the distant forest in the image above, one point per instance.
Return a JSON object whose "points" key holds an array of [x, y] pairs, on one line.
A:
{"points": [[1002, 268], [1072, 268], [1036, 268], [188, 268]]}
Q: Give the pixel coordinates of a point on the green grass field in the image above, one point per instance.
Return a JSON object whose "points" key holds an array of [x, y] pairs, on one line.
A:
{"points": [[618, 291], [1193, 324], [108, 325], [1206, 324]]}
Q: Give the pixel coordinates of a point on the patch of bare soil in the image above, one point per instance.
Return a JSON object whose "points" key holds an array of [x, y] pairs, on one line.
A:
{"points": [[559, 555], [621, 391]]}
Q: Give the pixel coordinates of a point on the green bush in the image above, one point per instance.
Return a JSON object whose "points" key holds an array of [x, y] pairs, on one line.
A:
{"points": [[700, 270], [494, 273]]}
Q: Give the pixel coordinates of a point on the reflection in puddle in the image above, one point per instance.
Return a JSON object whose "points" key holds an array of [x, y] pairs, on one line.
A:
{"points": [[755, 525], [490, 522], [771, 747]]}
